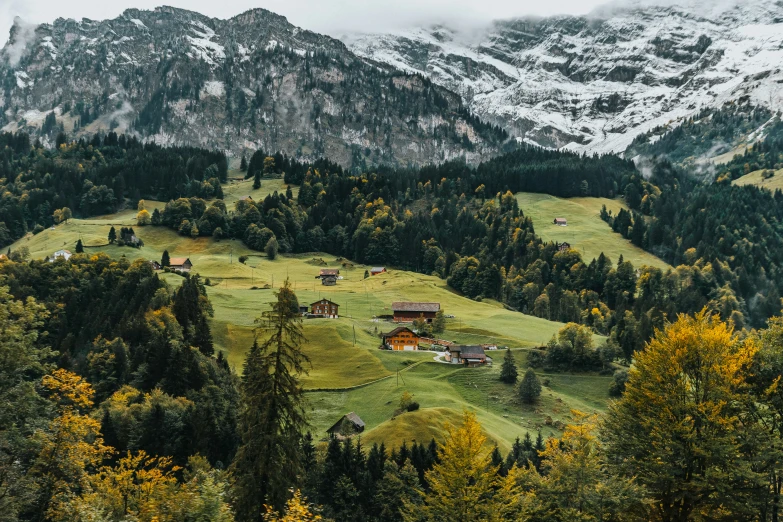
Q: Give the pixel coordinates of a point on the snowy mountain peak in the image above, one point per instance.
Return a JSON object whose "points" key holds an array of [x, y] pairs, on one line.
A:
{"points": [[593, 83]]}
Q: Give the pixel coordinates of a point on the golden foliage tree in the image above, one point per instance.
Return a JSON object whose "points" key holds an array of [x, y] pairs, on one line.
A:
{"points": [[464, 485], [679, 426], [296, 510], [70, 448]]}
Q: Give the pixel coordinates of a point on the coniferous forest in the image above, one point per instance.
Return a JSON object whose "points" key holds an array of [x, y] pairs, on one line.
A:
{"points": [[116, 405]]}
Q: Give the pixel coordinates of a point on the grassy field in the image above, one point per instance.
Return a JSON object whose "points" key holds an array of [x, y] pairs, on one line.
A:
{"points": [[754, 178], [586, 231], [344, 351]]}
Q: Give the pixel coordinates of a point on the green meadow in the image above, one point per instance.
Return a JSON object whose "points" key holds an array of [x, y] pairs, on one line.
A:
{"points": [[348, 372], [755, 178], [586, 231]]}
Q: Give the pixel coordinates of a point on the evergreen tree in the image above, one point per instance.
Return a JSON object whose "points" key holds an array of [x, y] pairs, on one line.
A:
{"points": [[257, 180], [243, 163], [439, 323], [79, 246], [164, 259], [272, 419], [271, 248], [530, 387], [112, 235], [508, 372]]}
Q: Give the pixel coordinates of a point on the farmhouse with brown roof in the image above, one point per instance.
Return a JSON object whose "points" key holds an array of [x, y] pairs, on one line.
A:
{"points": [[470, 355], [407, 312], [325, 308], [180, 263], [561, 222], [401, 338]]}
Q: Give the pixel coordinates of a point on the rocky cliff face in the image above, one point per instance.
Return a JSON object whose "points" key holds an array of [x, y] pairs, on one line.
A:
{"points": [[253, 81], [594, 83]]}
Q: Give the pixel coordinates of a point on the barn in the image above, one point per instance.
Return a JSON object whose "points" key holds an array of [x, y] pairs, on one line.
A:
{"points": [[180, 263], [407, 312], [350, 424], [562, 222]]}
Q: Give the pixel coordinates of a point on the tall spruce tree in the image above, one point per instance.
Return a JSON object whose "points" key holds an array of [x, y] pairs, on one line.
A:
{"points": [[165, 260], [112, 235], [508, 372], [79, 246], [530, 387], [243, 164], [272, 419]]}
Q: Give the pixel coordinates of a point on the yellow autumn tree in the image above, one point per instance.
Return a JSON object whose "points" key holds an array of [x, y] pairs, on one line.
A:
{"points": [[574, 483], [296, 510], [679, 428], [70, 448], [143, 218], [464, 485]]}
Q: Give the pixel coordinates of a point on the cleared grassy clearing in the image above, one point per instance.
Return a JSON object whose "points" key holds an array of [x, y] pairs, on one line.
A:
{"points": [[586, 231], [755, 178]]}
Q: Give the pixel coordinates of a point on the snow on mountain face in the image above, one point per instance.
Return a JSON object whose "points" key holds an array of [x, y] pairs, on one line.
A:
{"points": [[251, 82], [593, 83]]}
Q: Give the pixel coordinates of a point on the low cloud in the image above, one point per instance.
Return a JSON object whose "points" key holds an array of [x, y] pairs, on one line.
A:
{"points": [[22, 34]]}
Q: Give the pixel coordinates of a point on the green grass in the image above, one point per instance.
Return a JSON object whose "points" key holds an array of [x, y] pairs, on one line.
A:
{"points": [[754, 178], [344, 352], [238, 187], [586, 231]]}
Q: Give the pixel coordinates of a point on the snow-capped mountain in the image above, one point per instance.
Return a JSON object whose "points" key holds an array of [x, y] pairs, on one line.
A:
{"points": [[593, 83], [251, 82]]}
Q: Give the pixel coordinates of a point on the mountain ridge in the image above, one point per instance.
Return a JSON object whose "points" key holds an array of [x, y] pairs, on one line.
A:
{"points": [[250, 82]]}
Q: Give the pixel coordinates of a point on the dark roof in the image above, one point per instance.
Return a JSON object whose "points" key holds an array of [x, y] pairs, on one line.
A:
{"points": [[415, 307], [472, 351], [327, 300], [330, 271], [350, 417], [398, 330]]}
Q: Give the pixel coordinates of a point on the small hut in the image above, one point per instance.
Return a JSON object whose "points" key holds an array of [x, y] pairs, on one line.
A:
{"points": [[349, 425]]}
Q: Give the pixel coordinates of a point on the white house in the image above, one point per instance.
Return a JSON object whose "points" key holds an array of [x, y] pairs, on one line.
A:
{"points": [[65, 254]]}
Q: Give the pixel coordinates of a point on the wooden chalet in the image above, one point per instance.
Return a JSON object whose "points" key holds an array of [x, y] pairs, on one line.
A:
{"points": [[401, 338], [328, 276], [470, 355], [564, 247], [407, 312], [561, 222], [377, 270], [350, 424], [325, 308], [180, 263], [155, 265]]}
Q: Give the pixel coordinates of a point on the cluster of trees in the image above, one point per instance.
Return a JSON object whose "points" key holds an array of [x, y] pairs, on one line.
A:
{"points": [[95, 177], [113, 404], [725, 241]]}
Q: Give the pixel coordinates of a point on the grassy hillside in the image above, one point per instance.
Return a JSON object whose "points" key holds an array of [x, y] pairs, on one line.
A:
{"points": [[754, 178], [344, 351], [586, 231]]}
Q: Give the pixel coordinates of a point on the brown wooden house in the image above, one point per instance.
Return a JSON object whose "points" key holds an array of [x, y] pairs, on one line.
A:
{"points": [[407, 312], [325, 308], [401, 338], [180, 263], [350, 424], [470, 355], [377, 270], [329, 272], [562, 222]]}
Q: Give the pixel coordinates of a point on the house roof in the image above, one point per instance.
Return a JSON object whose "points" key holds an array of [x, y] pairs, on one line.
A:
{"points": [[243, 198], [560, 219], [415, 307], [330, 271], [472, 351], [350, 417], [63, 251], [327, 300], [177, 261], [398, 330], [377, 269]]}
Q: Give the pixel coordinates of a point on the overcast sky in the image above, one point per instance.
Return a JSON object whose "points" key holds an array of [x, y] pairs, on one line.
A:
{"points": [[325, 16]]}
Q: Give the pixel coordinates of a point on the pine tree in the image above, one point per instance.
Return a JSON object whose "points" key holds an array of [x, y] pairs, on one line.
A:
{"points": [[164, 259], [508, 372], [243, 163], [271, 248], [112, 235], [79, 246], [530, 387], [257, 180], [272, 419]]}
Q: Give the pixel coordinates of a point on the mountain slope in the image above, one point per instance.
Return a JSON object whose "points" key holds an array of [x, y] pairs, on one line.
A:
{"points": [[253, 81], [594, 83]]}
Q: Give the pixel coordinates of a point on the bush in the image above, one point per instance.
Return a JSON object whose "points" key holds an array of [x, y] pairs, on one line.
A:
{"points": [[38, 229], [413, 406], [243, 259], [530, 387], [618, 385]]}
